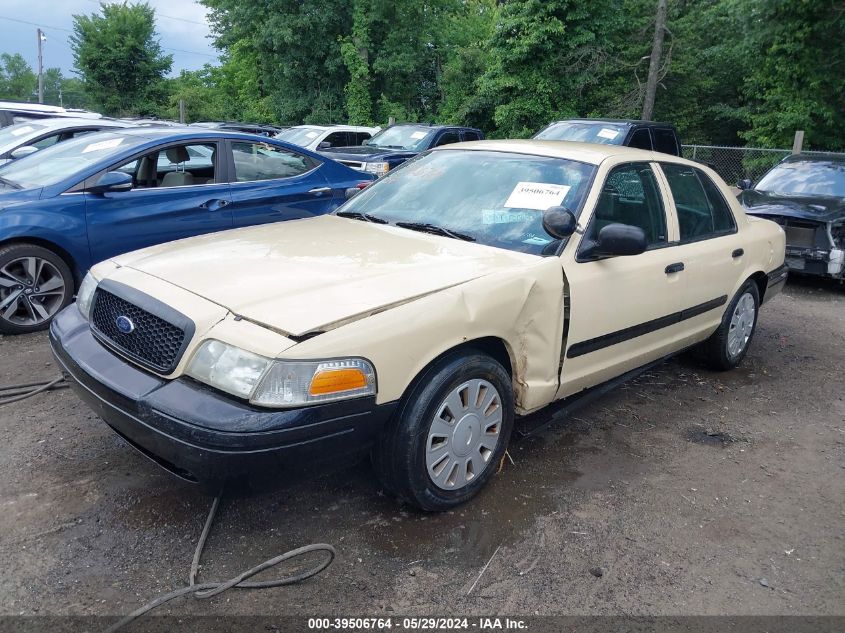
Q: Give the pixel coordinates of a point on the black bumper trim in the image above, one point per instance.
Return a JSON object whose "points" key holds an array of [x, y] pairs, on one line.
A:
{"points": [[776, 282], [197, 433]]}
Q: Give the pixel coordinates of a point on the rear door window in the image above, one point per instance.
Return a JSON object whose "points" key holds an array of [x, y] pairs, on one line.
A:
{"points": [[469, 135], [701, 208], [664, 141], [447, 138], [262, 161]]}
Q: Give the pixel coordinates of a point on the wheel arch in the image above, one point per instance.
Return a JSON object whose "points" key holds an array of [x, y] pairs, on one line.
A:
{"points": [[762, 280], [50, 246]]}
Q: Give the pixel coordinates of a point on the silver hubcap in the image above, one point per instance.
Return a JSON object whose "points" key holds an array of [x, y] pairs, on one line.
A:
{"points": [[31, 291], [463, 435], [742, 324]]}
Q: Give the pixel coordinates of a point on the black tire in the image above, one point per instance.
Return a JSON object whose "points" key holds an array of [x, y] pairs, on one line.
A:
{"points": [[48, 303], [399, 456], [715, 350]]}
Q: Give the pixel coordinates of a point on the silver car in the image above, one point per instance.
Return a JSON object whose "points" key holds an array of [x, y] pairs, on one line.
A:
{"points": [[28, 137]]}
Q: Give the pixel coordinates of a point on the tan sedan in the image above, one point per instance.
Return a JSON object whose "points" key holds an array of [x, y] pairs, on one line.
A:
{"points": [[476, 284]]}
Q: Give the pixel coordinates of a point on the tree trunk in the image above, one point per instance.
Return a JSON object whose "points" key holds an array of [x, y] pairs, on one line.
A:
{"points": [[654, 63]]}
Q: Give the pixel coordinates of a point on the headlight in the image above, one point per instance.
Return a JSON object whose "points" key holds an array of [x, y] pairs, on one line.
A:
{"points": [[377, 168], [85, 295], [279, 383], [289, 384]]}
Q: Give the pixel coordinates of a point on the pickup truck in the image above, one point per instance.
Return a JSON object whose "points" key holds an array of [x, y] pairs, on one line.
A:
{"points": [[396, 144], [648, 135], [424, 318]]}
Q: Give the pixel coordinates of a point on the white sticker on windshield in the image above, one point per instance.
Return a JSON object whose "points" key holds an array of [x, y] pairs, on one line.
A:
{"points": [[536, 240], [417, 135], [22, 130], [494, 216], [608, 133], [96, 147], [536, 195]]}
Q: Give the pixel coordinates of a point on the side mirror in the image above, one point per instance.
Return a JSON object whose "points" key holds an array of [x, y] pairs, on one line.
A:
{"points": [[744, 184], [324, 145], [559, 222], [24, 150], [111, 181], [616, 240]]}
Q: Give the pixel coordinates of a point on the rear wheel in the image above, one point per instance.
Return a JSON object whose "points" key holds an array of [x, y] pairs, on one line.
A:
{"points": [[35, 284], [728, 345], [449, 432]]}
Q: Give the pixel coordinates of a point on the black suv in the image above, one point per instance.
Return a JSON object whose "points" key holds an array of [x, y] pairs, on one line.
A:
{"points": [[658, 137], [397, 143]]}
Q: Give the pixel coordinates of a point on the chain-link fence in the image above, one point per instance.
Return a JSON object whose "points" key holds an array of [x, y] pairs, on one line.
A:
{"points": [[735, 163]]}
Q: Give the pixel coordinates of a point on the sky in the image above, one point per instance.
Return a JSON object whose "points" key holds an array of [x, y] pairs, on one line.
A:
{"points": [[181, 26]]}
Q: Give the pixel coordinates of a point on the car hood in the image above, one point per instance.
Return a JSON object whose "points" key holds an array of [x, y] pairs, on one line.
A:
{"points": [[10, 196], [366, 153], [316, 274], [817, 208]]}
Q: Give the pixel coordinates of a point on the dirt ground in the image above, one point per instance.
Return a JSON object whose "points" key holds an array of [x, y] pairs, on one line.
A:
{"points": [[685, 492]]}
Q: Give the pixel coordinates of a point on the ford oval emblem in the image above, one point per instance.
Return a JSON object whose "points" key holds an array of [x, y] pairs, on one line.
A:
{"points": [[124, 324]]}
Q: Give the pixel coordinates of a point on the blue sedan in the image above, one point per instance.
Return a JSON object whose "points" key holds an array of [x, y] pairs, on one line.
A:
{"points": [[87, 199]]}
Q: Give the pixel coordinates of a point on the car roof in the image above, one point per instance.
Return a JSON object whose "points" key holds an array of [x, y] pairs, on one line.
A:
{"points": [[592, 153], [433, 126], [61, 123], [820, 157], [615, 122]]}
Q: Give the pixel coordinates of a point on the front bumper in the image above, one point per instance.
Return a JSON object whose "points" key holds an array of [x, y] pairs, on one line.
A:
{"points": [[196, 432]]}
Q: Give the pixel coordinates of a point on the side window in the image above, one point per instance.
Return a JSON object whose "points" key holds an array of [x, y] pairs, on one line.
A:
{"points": [[702, 211], [469, 135], [360, 137], [174, 166], [446, 138], [664, 141], [78, 133], [47, 141], [641, 139], [337, 139], [630, 196], [262, 161]]}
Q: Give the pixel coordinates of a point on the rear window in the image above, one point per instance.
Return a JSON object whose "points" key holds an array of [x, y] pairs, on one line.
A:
{"points": [[584, 132]]}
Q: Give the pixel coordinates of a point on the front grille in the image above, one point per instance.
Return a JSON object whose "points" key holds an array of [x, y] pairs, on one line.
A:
{"points": [[153, 342], [800, 236]]}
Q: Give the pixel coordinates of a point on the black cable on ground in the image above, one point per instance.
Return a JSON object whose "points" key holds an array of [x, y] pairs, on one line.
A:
{"points": [[14, 393], [209, 589]]}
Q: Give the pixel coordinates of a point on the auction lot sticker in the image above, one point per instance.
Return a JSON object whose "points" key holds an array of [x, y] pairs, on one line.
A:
{"points": [[536, 195]]}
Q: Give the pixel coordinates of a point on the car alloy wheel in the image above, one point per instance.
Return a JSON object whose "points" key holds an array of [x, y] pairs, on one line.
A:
{"points": [[742, 325], [32, 291], [464, 434]]}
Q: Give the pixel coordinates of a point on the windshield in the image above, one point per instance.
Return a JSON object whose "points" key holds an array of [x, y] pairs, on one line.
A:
{"points": [[12, 136], [584, 132], [54, 164], [301, 136], [495, 198], [810, 177], [407, 137]]}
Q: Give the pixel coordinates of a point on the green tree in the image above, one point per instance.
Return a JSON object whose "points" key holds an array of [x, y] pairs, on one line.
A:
{"points": [[798, 77], [355, 49], [53, 86], [17, 81], [119, 58], [545, 55]]}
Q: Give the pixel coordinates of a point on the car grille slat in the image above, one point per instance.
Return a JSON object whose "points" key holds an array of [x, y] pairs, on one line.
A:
{"points": [[154, 343]]}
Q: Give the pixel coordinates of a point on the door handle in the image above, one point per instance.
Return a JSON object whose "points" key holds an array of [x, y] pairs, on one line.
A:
{"points": [[674, 268], [215, 203], [738, 253], [319, 191]]}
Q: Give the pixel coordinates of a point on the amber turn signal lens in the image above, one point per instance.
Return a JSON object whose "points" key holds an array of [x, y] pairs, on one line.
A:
{"points": [[334, 380]]}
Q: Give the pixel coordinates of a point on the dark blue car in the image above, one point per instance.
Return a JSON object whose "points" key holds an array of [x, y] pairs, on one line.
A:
{"points": [[87, 199], [394, 145]]}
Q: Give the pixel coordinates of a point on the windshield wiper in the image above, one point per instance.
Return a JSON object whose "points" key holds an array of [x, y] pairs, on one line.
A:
{"points": [[10, 183], [357, 215], [389, 146], [426, 227]]}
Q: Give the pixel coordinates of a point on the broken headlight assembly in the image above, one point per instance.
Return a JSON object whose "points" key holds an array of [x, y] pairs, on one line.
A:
{"points": [[280, 383]]}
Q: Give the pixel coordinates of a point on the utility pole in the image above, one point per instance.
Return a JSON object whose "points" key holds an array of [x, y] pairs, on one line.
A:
{"points": [[41, 38], [654, 62]]}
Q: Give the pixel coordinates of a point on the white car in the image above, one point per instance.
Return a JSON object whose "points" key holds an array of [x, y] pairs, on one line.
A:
{"points": [[316, 137]]}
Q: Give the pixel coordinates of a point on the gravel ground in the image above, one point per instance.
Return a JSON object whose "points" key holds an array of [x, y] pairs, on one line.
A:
{"points": [[685, 492]]}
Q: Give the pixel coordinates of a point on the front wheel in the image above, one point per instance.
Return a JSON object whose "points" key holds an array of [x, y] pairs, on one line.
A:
{"points": [[449, 433], [35, 284], [729, 344]]}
